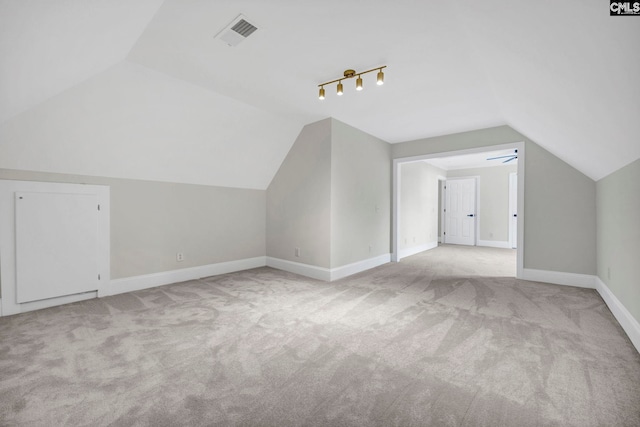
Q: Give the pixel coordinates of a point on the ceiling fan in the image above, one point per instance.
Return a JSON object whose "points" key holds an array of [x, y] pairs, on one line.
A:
{"points": [[509, 157]]}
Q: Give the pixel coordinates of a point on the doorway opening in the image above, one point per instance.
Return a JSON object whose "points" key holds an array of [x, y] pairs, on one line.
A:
{"points": [[478, 200]]}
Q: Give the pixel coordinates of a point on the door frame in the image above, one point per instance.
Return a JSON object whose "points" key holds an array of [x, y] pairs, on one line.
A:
{"points": [[441, 183], [513, 233], [395, 196]]}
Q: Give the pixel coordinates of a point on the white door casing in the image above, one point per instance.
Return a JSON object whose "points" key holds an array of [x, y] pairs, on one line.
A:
{"points": [[460, 211]]}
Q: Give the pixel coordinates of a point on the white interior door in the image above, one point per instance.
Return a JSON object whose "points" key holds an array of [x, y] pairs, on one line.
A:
{"points": [[460, 211], [513, 210], [56, 245]]}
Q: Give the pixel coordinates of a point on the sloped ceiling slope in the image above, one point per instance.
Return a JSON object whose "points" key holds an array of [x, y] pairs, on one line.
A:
{"points": [[48, 46], [134, 122], [565, 74], [143, 89]]}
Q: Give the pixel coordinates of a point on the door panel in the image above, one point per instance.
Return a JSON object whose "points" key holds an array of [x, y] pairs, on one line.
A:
{"points": [[56, 245], [460, 211]]}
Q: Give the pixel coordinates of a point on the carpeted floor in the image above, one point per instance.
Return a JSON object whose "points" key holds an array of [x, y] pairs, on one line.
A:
{"points": [[428, 341]]}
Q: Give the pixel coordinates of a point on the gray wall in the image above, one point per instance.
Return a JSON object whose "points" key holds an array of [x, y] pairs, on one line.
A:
{"points": [[493, 199], [560, 215], [418, 204], [560, 220], [331, 198], [151, 221], [618, 240], [298, 203], [360, 195]]}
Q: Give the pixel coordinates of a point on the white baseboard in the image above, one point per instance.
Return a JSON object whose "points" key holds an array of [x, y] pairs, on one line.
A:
{"points": [[357, 267], [494, 244], [306, 270], [626, 320], [559, 278], [136, 283], [416, 249], [327, 274]]}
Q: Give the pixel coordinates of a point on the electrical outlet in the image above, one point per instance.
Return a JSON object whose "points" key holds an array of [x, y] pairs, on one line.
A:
{"points": [[297, 252], [179, 257]]}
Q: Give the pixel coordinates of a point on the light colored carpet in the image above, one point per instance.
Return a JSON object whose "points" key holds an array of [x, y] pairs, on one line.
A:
{"points": [[428, 341]]}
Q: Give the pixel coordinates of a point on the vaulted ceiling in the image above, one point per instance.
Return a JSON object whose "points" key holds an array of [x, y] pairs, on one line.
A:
{"points": [[142, 89]]}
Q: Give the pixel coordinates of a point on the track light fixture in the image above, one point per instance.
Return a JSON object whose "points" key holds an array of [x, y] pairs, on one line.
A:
{"points": [[349, 74]]}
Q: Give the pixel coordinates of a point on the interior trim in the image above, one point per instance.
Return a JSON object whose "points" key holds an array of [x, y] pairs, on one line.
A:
{"points": [[620, 312], [327, 274], [403, 253], [559, 278], [359, 266], [145, 281], [495, 244], [307, 270]]}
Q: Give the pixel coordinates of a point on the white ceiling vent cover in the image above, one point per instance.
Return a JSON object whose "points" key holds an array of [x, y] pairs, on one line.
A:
{"points": [[238, 30]]}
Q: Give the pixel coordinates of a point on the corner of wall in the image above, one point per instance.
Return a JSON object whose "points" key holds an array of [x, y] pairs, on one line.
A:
{"points": [[298, 200], [360, 196]]}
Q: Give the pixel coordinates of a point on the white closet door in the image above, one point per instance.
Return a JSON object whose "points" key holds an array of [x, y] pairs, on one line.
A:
{"points": [[460, 211], [56, 244]]}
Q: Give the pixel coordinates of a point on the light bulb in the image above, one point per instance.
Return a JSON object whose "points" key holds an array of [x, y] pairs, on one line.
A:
{"points": [[340, 88], [359, 83], [380, 77], [321, 95]]}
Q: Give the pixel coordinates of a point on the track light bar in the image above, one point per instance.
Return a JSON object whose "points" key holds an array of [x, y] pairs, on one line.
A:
{"points": [[349, 74]]}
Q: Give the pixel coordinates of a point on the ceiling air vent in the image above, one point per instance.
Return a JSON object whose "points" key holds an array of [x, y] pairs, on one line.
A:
{"points": [[238, 30]]}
